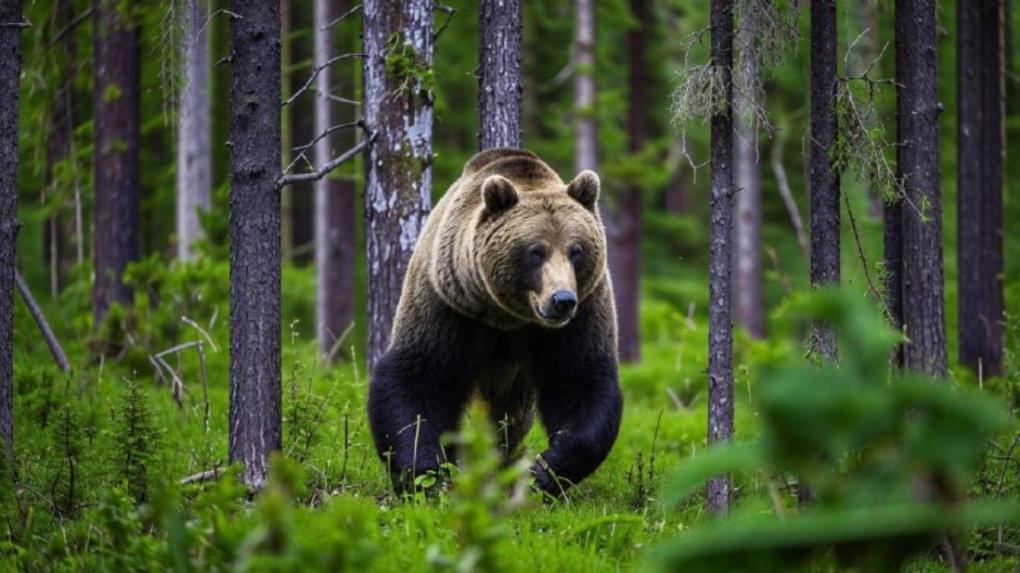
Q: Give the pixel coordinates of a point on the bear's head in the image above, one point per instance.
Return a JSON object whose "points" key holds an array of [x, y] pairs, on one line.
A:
{"points": [[540, 251]]}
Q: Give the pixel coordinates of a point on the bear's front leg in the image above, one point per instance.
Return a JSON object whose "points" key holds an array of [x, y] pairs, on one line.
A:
{"points": [[579, 398], [419, 390]]}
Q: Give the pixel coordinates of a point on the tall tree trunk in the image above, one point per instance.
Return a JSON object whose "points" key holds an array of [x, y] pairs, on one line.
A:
{"points": [[676, 200], [585, 128], [500, 38], [980, 131], [194, 149], [747, 178], [825, 215], [917, 111], [625, 259], [10, 73], [255, 238], [334, 202], [116, 154], [720, 326], [398, 166], [286, 133]]}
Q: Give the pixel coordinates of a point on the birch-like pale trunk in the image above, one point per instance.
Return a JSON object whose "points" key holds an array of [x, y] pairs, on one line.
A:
{"points": [[585, 127], [398, 162], [194, 130], [747, 177], [334, 200]]}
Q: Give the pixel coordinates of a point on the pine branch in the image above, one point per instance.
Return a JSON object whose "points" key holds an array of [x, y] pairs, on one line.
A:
{"points": [[44, 325], [325, 169]]}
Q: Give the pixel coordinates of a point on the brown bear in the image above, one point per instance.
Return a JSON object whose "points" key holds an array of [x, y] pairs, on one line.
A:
{"points": [[506, 298]]}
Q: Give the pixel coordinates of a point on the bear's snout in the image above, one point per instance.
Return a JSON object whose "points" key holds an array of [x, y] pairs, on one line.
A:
{"points": [[561, 306]]}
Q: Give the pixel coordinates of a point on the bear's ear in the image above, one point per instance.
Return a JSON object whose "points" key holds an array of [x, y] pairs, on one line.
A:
{"points": [[585, 189], [498, 193]]}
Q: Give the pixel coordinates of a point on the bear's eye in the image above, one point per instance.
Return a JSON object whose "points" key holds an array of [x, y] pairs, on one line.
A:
{"points": [[576, 253], [535, 254]]}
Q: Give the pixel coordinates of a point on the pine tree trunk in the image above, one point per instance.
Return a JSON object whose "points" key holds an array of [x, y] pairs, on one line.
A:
{"points": [[398, 165], [825, 214], [194, 149], [676, 201], [334, 202], [747, 178], [980, 131], [500, 38], [116, 154], [720, 326], [255, 238], [625, 252], [585, 127], [917, 111], [10, 73]]}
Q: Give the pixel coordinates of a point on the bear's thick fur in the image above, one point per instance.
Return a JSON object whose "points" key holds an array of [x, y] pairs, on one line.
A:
{"points": [[507, 298]]}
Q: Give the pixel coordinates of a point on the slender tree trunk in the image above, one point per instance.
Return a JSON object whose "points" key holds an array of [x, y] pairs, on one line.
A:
{"points": [[194, 132], [116, 154], [500, 38], [917, 110], [10, 73], [398, 167], [585, 128], [286, 133], [980, 131], [625, 252], [747, 217], [825, 214], [255, 238], [720, 326], [334, 202]]}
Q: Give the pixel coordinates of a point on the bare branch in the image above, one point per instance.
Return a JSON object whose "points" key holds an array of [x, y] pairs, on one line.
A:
{"points": [[57, 37], [783, 183], [325, 169], [21, 24], [342, 17], [44, 325], [332, 129], [449, 11], [233, 15], [315, 73]]}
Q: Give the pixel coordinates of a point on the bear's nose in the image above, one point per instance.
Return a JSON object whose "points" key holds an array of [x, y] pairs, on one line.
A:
{"points": [[563, 302]]}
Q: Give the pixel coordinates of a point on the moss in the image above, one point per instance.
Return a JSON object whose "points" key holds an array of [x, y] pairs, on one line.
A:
{"points": [[412, 73], [113, 92]]}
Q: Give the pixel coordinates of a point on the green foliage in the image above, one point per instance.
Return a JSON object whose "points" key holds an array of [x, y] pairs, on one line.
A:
{"points": [[886, 458], [136, 439]]}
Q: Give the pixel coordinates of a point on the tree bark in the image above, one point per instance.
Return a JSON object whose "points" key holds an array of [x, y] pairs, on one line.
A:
{"points": [[500, 38], [625, 252], [255, 238], [194, 149], [10, 74], [334, 202], [116, 154], [980, 151], [585, 128], [720, 326], [825, 214], [917, 110], [398, 166], [747, 178]]}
